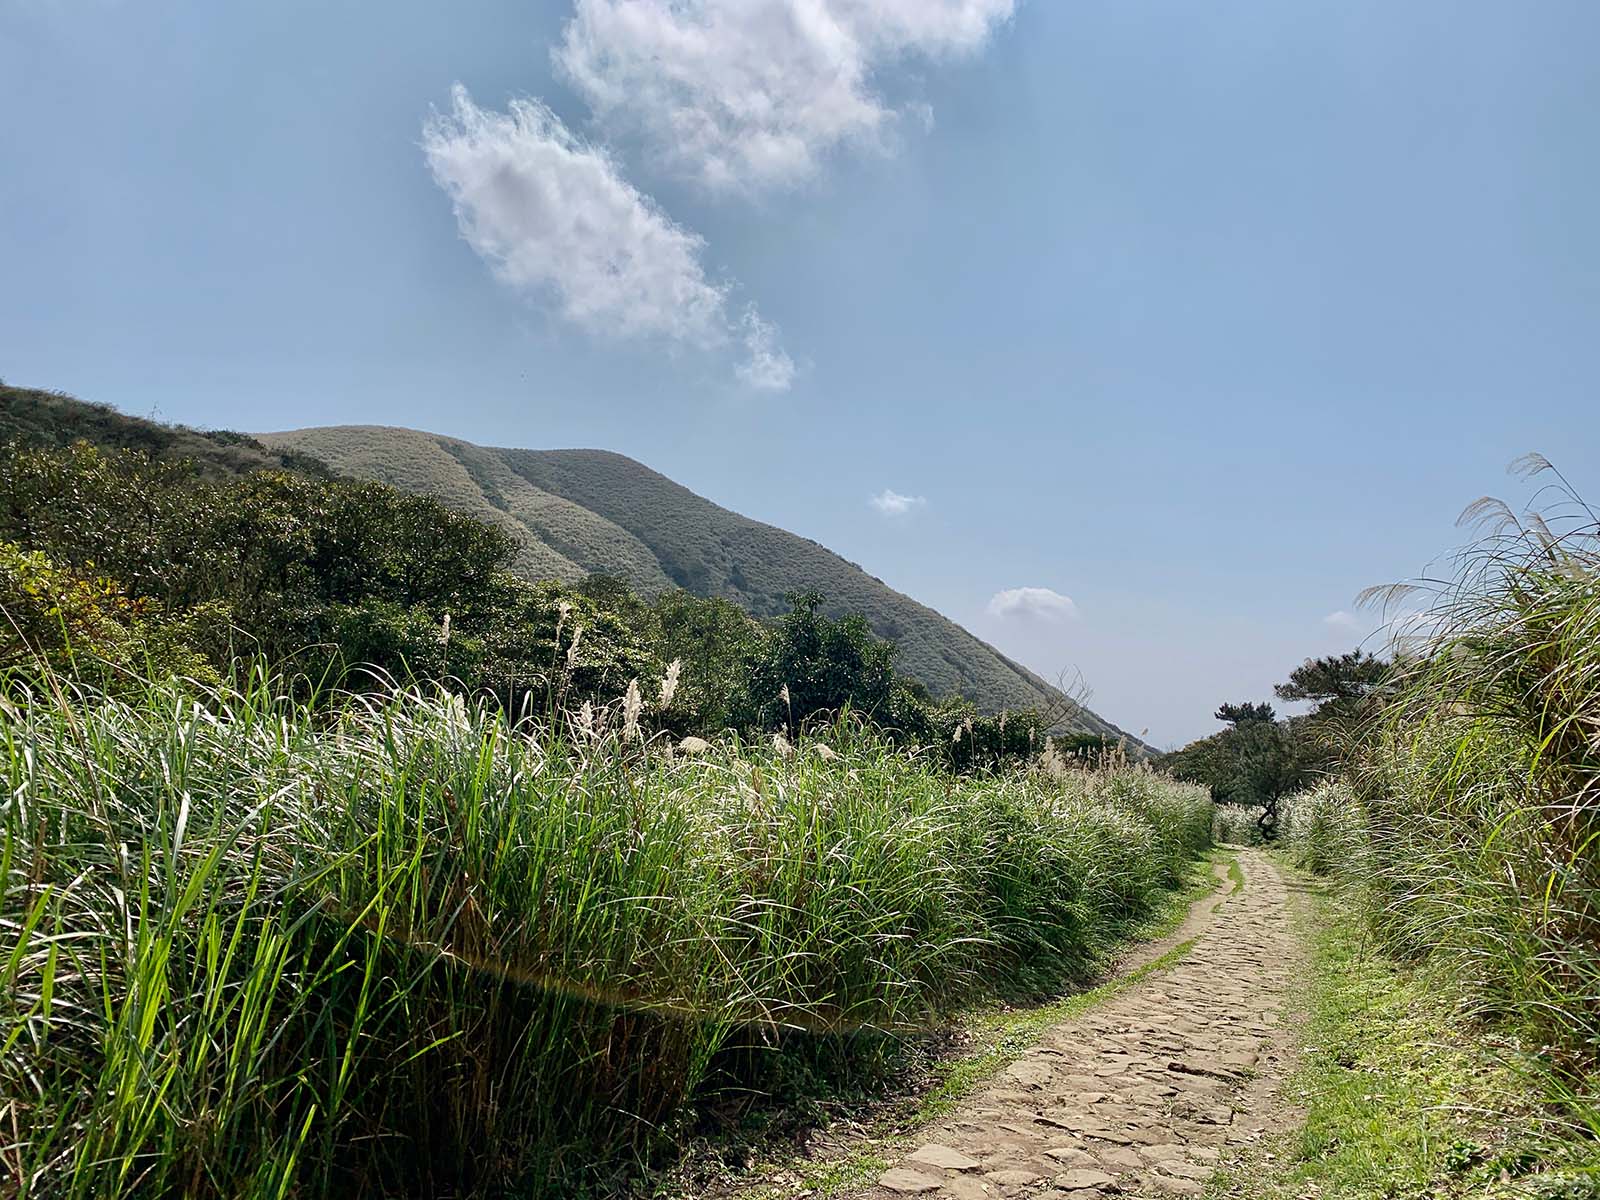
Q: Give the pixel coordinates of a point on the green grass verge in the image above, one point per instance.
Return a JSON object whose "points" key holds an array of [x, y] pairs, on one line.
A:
{"points": [[1402, 1097]]}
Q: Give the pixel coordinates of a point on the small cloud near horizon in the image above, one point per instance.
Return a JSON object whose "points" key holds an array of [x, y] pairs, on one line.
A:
{"points": [[892, 504], [1040, 603]]}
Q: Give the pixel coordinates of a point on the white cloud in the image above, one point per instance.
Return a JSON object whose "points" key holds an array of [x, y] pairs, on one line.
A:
{"points": [[552, 215], [741, 95], [1032, 602], [1341, 620], [893, 504], [767, 367]]}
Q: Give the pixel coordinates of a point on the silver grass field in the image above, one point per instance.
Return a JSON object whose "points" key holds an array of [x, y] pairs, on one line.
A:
{"points": [[252, 946]]}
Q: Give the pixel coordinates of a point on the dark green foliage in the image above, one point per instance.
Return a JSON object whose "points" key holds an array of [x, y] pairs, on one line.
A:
{"points": [[1336, 684], [1256, 762], [720, 647], [970, 741], [355, 583], [1090, 749], [535, 652], [1269, 762], [1345, 689], [520, 643], [39, 418], [1248, 713], [287, 554], [580, 512], [817, 665]]}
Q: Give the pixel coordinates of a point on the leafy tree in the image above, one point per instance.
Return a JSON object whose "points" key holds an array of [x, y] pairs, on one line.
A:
{"points": [[549, 644], [614, 594], [720, 648], [1091, 749], [1256, 761], [968, 740], [822, 665], [532, 646], [1268, 762]]}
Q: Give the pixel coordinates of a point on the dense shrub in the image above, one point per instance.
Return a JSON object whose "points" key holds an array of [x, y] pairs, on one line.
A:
{"points": [[345, 583], [56, 621]]}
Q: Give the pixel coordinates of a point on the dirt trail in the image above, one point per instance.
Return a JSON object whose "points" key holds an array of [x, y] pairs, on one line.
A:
{"points": [[1140, 1096]]}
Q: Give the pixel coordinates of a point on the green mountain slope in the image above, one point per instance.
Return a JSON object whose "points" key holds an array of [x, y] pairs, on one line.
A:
{"points": [[581, 511], [577, 512]]}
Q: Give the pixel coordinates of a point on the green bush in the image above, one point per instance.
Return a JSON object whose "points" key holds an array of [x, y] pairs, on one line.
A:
{"points": [[56, 621]]}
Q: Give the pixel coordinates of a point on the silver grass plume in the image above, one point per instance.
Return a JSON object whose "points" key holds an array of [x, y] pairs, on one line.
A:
{"points": [[631, 706]]}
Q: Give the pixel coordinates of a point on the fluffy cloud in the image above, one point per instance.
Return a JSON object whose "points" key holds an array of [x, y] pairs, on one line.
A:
{"points": [[1032, 602], [741, 95], [1343, 621], [893, 504], [766, 367], [553, 215]]}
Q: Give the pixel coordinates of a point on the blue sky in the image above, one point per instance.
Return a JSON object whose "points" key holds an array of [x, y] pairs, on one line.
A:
{"points": [[1202, 316]]}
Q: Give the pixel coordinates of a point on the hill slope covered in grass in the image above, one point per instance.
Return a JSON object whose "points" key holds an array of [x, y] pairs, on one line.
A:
{"points": [[577, 512]]}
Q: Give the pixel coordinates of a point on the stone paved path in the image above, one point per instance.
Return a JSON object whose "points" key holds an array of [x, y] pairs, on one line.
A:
{"points": [[1140, 1096]]}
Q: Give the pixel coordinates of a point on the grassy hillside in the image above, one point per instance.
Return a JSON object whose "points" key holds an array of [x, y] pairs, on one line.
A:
{"points": [[53, 419], [582, 511], [574, 513]]}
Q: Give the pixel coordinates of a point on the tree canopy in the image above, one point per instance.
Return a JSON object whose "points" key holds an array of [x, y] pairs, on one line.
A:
{"points": [[1336, 684], [1248, 713]]}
